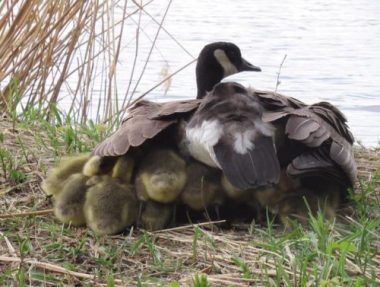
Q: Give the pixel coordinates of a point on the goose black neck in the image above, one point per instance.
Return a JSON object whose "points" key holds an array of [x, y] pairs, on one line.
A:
{"points": [[208, 74]]}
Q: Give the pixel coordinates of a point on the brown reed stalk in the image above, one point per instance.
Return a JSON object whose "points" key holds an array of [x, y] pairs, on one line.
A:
{"points": [[59, 51]]}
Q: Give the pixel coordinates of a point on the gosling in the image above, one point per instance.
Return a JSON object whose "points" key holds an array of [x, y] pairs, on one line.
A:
{"points": [[161, 177], [56, 178], [110, 206], [202, 188], [68, 204], [156, 216]]}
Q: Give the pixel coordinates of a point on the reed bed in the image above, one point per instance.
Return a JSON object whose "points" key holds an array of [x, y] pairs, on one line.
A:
{"points": [[46, 46]]}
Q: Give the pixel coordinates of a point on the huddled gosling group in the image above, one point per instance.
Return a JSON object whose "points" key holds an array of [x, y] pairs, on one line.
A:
{"points": [[110, 194]]}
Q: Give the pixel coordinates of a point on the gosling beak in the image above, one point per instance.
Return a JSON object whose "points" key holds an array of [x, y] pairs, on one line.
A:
{"points": [[247, 66]]}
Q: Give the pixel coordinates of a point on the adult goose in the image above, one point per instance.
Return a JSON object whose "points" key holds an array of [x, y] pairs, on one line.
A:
{"points": [[310, 140], [147, 119]]}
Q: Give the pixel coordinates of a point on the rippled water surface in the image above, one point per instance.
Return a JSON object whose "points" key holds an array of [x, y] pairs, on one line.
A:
{"points": [[332, 48]]}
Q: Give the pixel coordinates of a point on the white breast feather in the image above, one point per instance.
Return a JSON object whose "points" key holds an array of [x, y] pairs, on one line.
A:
{"points": [[202, 140]]}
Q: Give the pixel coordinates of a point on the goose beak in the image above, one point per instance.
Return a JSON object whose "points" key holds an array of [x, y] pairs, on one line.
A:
{"points": [[247, 66]]}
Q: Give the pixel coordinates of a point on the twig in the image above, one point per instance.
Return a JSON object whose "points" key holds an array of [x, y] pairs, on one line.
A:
{"points": [[134, 58], [190, 226], [278, 74], [16, 186], [25, 214], [11, 249], [52, 267], [164, 29]]}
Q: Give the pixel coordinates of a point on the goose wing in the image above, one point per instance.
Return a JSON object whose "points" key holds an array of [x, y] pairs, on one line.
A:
{"points": [[319, 127], [316, 163], [308, 127], [144, 121]]}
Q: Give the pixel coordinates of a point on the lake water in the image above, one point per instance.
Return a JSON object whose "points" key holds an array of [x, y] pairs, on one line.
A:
{"points": [[332, 50]]}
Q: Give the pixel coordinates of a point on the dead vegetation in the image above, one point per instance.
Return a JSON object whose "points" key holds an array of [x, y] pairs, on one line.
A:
{"points": [[53, 48]]}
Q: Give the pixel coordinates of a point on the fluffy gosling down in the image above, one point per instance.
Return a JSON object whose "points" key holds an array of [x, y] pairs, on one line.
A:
{"points": [[57, 177], [68, 204], [300, 206], [68, 187], [161, 177], [202, 188], [110, 206], [289, 200], [156, 216], [97, 165], [123, 169]]}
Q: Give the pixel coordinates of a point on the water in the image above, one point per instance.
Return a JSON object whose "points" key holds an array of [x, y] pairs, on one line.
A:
{"points": [[332, 48]]}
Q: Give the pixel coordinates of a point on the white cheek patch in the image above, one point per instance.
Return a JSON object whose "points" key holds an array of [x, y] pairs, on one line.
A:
{"points": [[243, 141], [225, 62], [201, 140]]}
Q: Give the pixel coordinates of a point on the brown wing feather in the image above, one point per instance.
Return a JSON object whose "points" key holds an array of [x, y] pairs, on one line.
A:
{"points": [[342, 154], [339, 141], [314, 126], [132, 133], [316, 164], [334, 117], [172, 108], [272, 101], [301, 128], [144, 121]]}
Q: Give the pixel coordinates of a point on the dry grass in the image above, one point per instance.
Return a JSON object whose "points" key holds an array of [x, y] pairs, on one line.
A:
{"points": [[35, 249], [53, 51]]}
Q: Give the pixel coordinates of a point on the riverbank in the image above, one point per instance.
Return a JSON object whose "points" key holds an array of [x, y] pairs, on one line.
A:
{"points": [[37, 250]]}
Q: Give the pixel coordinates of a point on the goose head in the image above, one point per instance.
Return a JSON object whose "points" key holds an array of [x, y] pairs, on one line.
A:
{"points": [[217, 61]]}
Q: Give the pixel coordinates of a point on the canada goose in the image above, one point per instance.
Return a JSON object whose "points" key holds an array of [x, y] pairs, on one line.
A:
{"points": [[203, 187], [147, 120], [161, 176], [55, 180], [156, 216], [109, 206], [301, 131], [312, 141], [68, 204]]}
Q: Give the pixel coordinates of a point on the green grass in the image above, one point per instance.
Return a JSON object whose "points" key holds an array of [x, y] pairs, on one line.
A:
{"points": [[323, 253], [200, 280]]}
